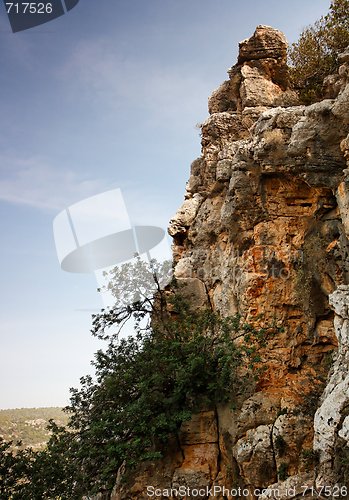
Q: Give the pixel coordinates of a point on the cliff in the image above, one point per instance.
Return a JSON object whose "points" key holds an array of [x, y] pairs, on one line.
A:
{"points": [[263, 232]]}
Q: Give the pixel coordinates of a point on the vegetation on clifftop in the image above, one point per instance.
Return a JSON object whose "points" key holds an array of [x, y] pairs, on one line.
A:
{"points": [[315, 55]]}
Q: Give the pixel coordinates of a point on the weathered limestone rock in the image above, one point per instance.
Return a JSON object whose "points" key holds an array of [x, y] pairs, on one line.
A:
{"points": [[263, 231], [290, 434], [331, 419], [332, 86], [194, 292], [268, 241], [185, 216], [260, 78], [265, 43], [199, 445], [255, 458], [343, 203]]}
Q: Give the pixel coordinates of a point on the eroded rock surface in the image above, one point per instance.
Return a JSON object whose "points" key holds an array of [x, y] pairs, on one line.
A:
{"points": [[264, 229], [331, 421]]}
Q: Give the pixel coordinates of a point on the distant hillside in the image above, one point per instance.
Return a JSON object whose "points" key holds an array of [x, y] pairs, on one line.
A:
{"points": [[29, 425]]}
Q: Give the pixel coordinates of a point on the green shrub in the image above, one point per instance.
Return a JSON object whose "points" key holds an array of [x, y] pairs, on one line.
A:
{"points": [[148, 384], [315, 55], [177, 362]]}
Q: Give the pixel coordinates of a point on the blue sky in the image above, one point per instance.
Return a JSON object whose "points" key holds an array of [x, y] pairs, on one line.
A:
{"points": [[107, 96]]}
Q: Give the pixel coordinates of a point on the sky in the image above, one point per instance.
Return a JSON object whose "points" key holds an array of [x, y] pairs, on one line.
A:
{"points": [[107, 96]]}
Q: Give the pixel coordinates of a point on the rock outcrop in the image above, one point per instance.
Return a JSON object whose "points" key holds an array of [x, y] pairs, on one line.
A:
{"points": [[263, 229], [331, 440]]}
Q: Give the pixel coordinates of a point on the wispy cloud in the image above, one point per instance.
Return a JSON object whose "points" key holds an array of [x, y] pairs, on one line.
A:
{"points": [[36, 183], [104, 75]]}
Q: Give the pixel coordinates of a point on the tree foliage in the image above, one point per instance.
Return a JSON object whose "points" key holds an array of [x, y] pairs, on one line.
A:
{"points": [[144, 387], [315, 55], [148, 384]]}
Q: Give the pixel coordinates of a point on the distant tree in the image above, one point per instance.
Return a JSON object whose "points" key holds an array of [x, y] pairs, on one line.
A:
{"points": [[9, 469], [52, 473], [315, 55]]}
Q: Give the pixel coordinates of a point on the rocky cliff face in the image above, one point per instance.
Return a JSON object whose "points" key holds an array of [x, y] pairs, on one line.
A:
{"points": [[263, 232]]}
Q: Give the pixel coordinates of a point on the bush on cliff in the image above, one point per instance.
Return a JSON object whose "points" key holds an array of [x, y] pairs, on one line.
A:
{"points": [[315, 55], [176, 362]]}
